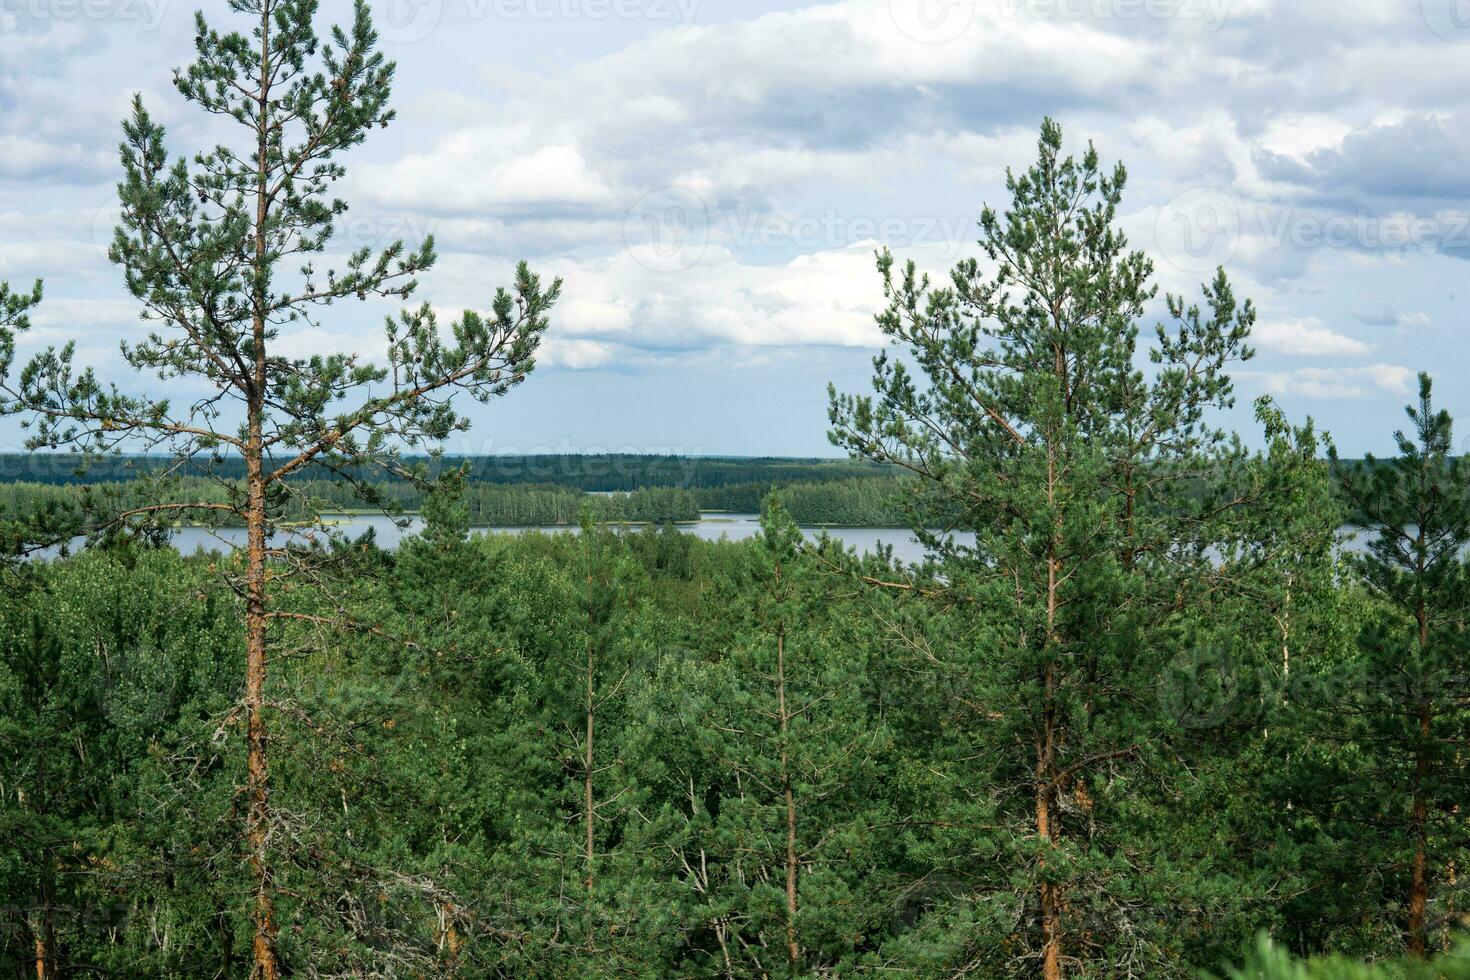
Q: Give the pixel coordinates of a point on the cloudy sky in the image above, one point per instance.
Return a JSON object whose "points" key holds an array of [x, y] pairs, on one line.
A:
{"points": [[711, 177]]}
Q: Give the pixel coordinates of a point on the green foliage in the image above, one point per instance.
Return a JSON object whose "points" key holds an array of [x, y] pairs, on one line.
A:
{"points": [[592, 472], [1098, 495], [1400, 706], [220, 252], [1154, 712], [446, 770], [1268, 961], [484, 505]]}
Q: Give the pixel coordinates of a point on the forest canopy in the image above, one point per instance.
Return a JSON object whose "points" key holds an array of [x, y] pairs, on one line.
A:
{"points": [[1144, 717]]}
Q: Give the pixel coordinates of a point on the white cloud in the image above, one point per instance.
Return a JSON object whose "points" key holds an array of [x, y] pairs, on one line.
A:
{"points": [[828, 297], [796, 116], [487, 169], [1298, 133], [1305, 337], [26, 158], [575, 354], [1341, 383]]}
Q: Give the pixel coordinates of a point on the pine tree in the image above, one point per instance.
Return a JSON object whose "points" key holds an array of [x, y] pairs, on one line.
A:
{"points": [[28, 530], [1411, 685], [99, 662], [1095, 496], [1236, 699], [210, 248], [789, 848]]}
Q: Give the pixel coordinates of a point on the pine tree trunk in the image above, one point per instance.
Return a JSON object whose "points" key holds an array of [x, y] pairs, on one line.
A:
{"points": [[258, 819], [1049, 895], [1046, 830], [43, 926], [589, 855], [1419, 813], [257, 825], [1419, 822], [43, 922], [793, 949]]}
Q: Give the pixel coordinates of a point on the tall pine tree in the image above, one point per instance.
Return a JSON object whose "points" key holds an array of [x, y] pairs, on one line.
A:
{"points": [[220, 252], [1408, 701], [1093, 491]]}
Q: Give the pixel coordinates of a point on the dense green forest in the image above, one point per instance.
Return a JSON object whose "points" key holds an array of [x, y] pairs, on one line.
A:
{"points": [[1146, 719], [433, 771], [853, 502], [592, 472], [870, 500], [489, 505]]}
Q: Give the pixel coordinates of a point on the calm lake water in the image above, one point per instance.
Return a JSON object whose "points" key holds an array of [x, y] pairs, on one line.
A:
{"points": [[711, 527]]}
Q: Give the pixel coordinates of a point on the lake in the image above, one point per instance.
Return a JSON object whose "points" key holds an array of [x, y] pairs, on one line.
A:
{"points": [[710, 527]]}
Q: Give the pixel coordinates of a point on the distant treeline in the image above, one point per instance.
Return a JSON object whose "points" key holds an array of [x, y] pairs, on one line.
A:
{"points": [[500, 491], [597, 473], [840, 495], [850, 503], [488, 505], [522, 506]]}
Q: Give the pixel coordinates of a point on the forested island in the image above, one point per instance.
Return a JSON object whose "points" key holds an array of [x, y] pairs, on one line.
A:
{"points": [[1146, 720]]}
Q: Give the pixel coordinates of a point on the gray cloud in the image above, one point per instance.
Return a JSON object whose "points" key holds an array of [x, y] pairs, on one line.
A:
{"points": [[1420, 159]]}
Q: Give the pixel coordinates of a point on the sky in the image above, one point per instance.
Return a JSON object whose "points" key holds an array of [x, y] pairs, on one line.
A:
{"points": [[711, 178]]}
